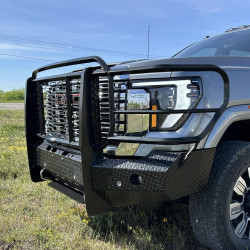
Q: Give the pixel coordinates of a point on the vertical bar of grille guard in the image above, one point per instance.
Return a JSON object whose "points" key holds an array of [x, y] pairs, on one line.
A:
{"points": [[69, 109], [95, 203], [32, 120], [40, 106]]}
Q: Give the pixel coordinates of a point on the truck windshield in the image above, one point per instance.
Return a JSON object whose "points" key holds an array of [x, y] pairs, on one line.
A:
{"points": [[235, 43]]}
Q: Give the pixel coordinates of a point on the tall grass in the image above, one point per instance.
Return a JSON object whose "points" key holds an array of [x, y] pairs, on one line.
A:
{"points": [[34, 216], [15, 95]]}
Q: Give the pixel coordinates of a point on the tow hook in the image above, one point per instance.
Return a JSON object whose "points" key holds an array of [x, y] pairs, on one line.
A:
{"points": [[44, 175]]}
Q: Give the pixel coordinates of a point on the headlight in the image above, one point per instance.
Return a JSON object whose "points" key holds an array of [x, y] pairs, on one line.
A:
{"points": [[178, 94]]}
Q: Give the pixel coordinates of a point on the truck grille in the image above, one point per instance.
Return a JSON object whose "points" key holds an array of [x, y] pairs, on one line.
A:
{"points": [[120, 97], [61, 117]]}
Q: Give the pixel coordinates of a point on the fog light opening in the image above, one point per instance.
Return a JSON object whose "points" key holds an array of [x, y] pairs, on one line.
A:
{"points": [[135, 179]]}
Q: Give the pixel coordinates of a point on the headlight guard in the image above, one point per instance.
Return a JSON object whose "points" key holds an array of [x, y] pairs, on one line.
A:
{"points": [[166, 95]]}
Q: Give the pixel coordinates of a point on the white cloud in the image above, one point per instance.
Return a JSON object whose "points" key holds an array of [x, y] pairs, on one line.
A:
{"points": [[7, 46]]}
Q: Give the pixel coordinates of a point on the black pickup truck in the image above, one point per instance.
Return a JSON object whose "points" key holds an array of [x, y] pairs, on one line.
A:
{"points": [[114, 135]]}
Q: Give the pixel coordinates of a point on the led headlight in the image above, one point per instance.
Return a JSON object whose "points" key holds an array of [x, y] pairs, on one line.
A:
{"points": [[178, 94]]}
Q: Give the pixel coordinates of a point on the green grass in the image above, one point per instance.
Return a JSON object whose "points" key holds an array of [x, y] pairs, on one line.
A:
{"points": [[34, 216], [12, 101], [13, 96], [136, 123]]}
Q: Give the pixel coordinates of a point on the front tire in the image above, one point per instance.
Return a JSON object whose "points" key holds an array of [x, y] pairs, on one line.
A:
{"points": [[220, 213]]}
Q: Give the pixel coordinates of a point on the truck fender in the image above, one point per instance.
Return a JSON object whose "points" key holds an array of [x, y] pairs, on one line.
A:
{"points": [[229, 116]]}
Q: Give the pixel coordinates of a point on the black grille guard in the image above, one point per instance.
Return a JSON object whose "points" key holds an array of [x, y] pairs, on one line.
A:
{"points": [[137, 70], [89, 147]]}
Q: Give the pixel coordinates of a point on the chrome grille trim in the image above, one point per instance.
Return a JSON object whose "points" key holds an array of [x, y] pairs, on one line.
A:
{"points": [[56, 110], [120, 96]]}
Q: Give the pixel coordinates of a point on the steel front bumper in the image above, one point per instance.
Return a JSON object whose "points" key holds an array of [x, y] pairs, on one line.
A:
{"points": [[126, 181]]}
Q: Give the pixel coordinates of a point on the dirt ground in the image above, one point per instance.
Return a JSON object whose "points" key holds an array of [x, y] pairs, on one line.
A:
{"points": [[12, 106]]}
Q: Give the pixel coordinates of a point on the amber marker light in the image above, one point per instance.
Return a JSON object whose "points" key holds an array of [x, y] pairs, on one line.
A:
{"points": [[154, 117]]}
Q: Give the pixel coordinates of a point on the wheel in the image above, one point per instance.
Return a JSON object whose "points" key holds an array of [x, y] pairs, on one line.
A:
{"points": [[220, 213]]}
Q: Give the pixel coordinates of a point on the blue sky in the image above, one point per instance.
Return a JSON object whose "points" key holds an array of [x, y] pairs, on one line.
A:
{"points": [[59, 30]]}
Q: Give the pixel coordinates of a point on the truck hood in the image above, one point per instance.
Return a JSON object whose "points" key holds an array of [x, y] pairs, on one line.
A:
{"points": [[221, 61]]}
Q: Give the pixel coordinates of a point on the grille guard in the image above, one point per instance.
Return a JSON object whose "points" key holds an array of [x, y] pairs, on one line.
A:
{"points": [[137, 70], [89, 147]]}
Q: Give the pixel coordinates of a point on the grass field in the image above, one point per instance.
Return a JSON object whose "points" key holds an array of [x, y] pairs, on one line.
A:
{"points": [[34, 216]]}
